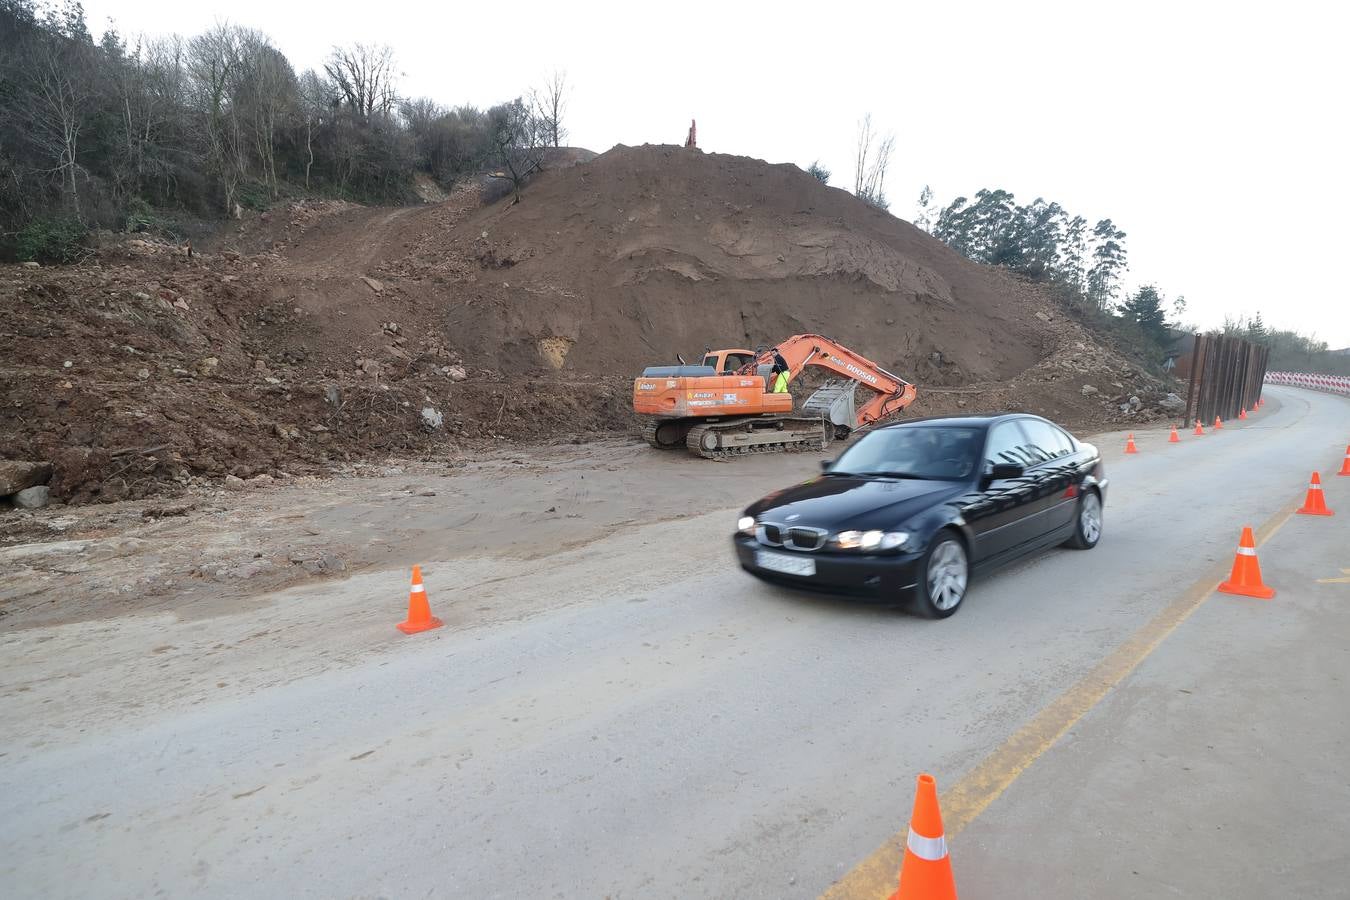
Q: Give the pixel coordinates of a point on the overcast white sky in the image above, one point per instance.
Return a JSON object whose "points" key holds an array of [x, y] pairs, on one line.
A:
{"points": [[1213, 133]]}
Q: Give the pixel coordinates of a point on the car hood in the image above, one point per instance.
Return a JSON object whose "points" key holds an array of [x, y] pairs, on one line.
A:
{"points": [[840, 503]]}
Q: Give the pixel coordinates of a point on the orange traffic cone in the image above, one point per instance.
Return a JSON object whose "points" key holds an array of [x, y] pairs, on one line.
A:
{"points": [[1245, 579], [1315, 504], [1174, 438], [1199, 429], [1218, 423], [1345, 466], [1129, 444], [419, 610], [1243, 414], [926, 871]]}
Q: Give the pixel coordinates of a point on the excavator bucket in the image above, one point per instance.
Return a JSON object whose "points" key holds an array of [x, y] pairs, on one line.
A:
{"points": [[834, 401]]}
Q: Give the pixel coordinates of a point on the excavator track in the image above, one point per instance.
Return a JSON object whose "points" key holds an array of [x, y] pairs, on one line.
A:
{"points": [[666, 434], [732, 438]]}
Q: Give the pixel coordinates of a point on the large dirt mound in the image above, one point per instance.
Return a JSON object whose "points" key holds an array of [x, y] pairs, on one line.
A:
{"points": [[649, 251], [320, 334]]}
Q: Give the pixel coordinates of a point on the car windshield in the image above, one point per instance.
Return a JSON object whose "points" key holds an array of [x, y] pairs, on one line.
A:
{"points": [[919, 451]]}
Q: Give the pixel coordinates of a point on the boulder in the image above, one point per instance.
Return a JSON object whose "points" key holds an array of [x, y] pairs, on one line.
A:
{"points": [[1089, 390], [1172, 403], [33, 497], [17, 474], [432, 418], [234, 483], [113, 489], [326, 564]]}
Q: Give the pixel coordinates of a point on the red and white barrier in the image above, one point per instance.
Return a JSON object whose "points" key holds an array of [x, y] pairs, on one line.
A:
{"points": [[1332, 384]]}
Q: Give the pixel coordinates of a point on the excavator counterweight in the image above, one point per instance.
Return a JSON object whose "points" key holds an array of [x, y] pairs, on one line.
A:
{"points": [[725, 408]]}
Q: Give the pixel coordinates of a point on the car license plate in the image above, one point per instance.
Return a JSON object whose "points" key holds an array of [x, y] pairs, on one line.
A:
{"points": [[781, 562]]}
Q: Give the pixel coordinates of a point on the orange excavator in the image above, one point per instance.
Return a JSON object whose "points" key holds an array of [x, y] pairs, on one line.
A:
{"points": [[726, 408]]}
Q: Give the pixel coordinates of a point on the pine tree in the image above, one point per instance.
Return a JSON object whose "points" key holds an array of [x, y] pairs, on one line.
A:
{"points": [[1256, 330], [926, 218], [953, 227], [1073, 264], [1043, 234], [1108, 263], [1145, 310]]}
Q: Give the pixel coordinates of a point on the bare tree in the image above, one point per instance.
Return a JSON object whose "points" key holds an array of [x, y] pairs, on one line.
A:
{"points": [[55, 94], [213, 60], [364, 75], [267, 94], [548, 104], [518, 141], [870, 163], [316, 102], [146, 89]]}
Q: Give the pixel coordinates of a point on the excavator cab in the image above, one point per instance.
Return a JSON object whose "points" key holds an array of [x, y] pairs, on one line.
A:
{"points": [[728, 362]]}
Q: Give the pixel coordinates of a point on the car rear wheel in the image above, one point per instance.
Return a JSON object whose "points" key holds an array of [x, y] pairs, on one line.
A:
{"points": [[946, 574], [1087, 529]]}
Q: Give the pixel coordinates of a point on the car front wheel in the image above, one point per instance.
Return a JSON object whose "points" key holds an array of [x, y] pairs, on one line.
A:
{"points": [[946, 573], [1087, 529]]}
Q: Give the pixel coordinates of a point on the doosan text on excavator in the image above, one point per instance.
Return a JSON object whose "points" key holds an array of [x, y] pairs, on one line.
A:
{"points": [[725, 407]]}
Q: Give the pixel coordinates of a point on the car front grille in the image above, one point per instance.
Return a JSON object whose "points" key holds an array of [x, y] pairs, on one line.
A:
{"points": [[799, 537], [802, 538]]}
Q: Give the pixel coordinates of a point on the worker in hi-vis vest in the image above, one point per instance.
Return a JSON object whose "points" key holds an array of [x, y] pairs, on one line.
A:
{"points": [[779, 374]]}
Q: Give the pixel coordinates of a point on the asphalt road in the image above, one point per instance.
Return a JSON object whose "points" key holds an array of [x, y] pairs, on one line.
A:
{"points": [[678, 730]]}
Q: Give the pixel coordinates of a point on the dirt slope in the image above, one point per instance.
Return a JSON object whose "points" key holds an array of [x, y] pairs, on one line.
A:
{"points": [[649, 251], [320, 334]]}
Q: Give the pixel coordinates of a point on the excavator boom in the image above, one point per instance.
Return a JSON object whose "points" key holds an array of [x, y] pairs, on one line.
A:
{"points": [[717, 411], [893, 393]]}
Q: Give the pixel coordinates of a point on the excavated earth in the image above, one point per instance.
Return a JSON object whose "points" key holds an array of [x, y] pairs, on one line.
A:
{"points": [[322, 334]]}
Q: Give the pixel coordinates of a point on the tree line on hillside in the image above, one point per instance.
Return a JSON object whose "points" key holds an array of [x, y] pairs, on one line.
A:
{"points": [[1289, 350], [1040, 239], [133, 133], [1045, 242]]}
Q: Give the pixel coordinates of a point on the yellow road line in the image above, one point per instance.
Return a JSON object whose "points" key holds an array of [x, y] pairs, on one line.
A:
{"points": [[875, 876]]}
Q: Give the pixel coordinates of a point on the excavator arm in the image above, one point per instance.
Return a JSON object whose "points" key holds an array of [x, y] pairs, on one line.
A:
{"points": [[892, 395]]}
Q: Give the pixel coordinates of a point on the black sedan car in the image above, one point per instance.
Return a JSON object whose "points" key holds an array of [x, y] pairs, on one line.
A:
{"points": [[909, 511]]}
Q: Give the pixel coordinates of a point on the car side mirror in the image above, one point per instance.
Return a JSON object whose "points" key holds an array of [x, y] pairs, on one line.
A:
{"points": [[825, 464], [1001, 471]]}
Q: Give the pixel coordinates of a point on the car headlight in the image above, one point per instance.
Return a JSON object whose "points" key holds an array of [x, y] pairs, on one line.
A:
{"points": [[746, 524], [870, 540], [893, 539], [848, 540]]}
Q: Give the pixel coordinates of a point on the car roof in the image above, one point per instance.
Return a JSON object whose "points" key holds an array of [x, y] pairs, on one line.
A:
{"points": [[981, 420]]}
